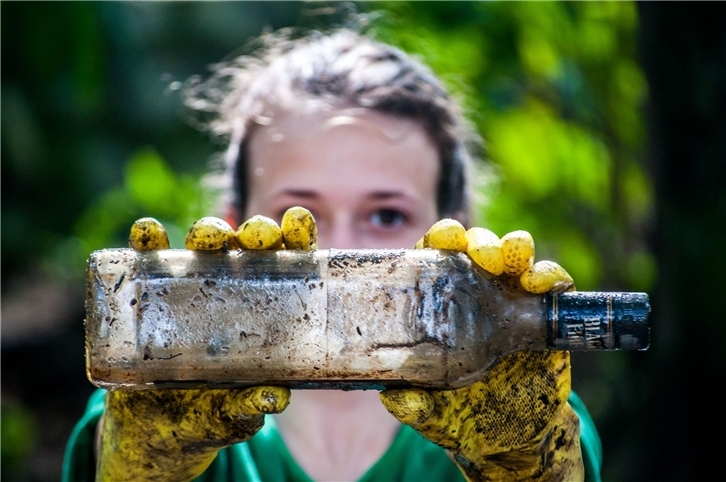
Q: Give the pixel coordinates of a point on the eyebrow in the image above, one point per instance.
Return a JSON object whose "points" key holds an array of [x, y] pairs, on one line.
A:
{"points": [[303, 193], [387, 194], [309, 194]]}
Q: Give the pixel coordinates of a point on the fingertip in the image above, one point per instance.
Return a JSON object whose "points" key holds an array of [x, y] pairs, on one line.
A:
{"points": [[546, 276], [264, 400], [410, 406], [209, 234], [259, 233], [518, 251], [485, 249], [446, 234], [299, 230], [148, 234]]}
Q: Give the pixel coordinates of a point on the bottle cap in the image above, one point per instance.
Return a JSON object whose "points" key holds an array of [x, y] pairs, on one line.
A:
{"points": [[583, 321]]}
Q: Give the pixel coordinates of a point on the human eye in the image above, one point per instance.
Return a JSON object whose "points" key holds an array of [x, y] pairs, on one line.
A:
{"points": [[388, 218]]}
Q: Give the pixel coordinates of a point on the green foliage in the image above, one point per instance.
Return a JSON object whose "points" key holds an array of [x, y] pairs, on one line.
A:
{"points": [[150, 188], [557, 92], [19, 433]]}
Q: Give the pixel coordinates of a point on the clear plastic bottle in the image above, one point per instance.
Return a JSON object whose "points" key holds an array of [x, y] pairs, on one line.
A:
{"points": [[351, 319]]}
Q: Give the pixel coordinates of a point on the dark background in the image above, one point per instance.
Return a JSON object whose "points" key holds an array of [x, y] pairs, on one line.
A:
{"points": [[605, 128]]}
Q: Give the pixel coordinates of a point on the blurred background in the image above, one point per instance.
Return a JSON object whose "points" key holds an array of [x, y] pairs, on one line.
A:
{"points": [[605, 132]]}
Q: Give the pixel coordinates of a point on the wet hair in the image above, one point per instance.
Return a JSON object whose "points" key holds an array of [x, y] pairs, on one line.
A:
{"points": [[342, 69]]}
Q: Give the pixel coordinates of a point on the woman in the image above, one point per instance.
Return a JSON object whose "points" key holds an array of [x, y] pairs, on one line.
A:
{"points": [[369, 141]]}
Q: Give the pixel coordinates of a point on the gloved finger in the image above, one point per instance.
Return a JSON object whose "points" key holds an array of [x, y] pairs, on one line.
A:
{"points": [[546, 276], [210, 234], [175, 434], [446, 234], [214, 409], [148, 234], [241, 412], [437, 415], [518, 251], [215, 414], [261, 400], [515, 401], [410, 406], [299, 230], [259, 232], [485, 249]]}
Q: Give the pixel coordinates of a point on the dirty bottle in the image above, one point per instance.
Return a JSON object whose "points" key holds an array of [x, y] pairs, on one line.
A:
{"points": [[348, 319]]}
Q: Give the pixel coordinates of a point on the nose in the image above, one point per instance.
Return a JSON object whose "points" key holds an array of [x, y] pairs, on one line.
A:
{"points": [[338, 233]]}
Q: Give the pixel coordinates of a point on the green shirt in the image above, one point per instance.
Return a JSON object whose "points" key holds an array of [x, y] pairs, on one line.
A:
{"points": [[410, 458]]}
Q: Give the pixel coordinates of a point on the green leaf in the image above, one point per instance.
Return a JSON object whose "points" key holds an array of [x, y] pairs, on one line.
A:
{"points": [[580, 258], [151, 183], [641, 271]]}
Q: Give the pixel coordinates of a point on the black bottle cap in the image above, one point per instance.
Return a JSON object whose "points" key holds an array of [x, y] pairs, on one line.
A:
{"points": [[598, 321]]}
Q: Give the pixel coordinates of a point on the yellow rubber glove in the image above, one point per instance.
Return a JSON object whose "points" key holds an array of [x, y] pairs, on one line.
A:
{"points": [[174, 435], [515, 424]]}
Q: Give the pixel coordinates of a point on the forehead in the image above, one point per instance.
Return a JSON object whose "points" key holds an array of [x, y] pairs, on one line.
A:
{"points": [[353, 149]]}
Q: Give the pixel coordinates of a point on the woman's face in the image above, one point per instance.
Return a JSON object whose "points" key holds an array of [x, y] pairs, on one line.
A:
{"points": [[369, 179]]}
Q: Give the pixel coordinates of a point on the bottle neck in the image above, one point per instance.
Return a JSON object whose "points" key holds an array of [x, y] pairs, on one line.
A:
{"points": [[517, 318]]}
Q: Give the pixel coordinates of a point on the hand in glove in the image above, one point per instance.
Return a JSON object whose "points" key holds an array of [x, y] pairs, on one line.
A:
{"points": [[175, 434], [515, 424]]}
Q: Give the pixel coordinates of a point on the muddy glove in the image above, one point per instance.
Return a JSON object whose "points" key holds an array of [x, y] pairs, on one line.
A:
{"points": [[174, 435], [514, 424]]}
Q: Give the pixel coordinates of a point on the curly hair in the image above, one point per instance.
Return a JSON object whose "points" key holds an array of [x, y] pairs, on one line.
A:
{"points": [[339, 70]]}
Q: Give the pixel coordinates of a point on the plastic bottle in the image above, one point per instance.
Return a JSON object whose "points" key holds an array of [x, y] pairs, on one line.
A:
{"points": [[351, 319]]}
